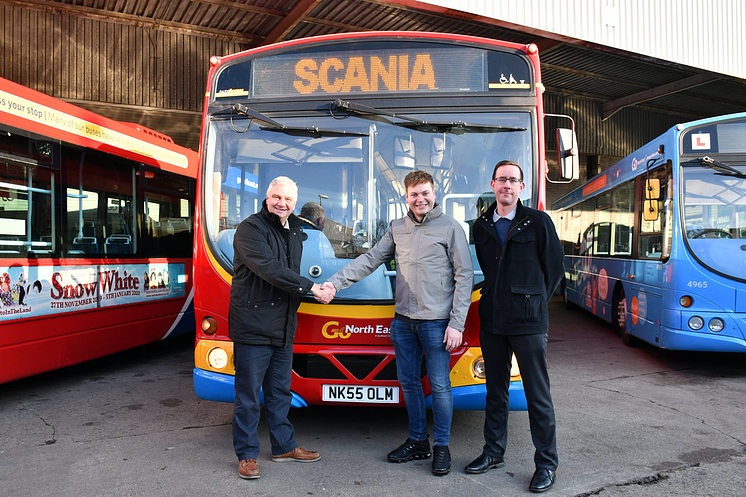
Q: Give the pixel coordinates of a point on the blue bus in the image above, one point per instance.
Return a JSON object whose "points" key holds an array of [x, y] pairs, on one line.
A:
{"points": [[656, 244]]}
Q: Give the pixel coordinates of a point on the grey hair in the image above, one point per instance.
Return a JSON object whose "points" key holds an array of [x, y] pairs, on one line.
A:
{"points": [[284, 181]]}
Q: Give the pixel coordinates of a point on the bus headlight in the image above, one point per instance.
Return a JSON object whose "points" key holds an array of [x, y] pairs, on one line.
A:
{"points": [[477, 367], [716, 325], [696, 322], [218, 358], [209, 326]]}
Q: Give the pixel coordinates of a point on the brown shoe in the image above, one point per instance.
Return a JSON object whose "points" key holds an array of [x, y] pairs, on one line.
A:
{"points": [[298, 455], [248, 470]]}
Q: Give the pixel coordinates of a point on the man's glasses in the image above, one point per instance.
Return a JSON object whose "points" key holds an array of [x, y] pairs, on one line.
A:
{"points": [[502, 180]]}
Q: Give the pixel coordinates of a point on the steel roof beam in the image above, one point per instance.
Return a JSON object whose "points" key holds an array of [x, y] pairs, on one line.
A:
{"points": [[607, 109]]}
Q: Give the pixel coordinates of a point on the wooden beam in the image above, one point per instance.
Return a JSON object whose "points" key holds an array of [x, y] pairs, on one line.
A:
{"points": [[607, 109], [296, 15]]}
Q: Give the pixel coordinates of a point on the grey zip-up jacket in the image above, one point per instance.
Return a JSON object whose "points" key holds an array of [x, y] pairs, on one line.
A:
{"points": [[434, 273]]}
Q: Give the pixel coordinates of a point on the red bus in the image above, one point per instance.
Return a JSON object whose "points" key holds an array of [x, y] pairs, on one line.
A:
{"points": [[347, 116], [96, 232]]}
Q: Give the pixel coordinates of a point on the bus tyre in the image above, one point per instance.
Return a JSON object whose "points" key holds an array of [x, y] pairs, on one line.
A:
{"points": [[620, 318]]}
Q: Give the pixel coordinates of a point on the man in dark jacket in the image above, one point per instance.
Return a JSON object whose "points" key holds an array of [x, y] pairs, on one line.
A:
{"points": [[265, 295], [521, 258]]}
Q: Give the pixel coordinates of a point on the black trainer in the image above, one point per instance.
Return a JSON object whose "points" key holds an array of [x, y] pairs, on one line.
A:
{"points": [[441, 460], [411, 449]]}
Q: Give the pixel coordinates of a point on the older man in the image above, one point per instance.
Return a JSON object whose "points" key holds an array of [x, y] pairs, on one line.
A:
{"points": [[265, 295]]}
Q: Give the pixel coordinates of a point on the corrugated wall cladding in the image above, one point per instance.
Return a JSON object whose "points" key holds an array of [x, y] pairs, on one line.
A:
{"points": [[710, 34], [113, 62], [621, 134]]}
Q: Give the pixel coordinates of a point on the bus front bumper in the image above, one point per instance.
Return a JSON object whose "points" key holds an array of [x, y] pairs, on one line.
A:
{"points": [[221, 388], [702, 341]]}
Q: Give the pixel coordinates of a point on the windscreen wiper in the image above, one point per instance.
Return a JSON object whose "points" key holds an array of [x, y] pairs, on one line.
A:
{"points": [[456, 127], [361, 109], [459, 127], [723, 169], [311, 131]]}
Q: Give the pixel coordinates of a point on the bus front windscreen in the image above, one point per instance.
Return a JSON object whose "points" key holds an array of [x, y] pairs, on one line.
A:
{"points": [[353, 167], [714, 196]]}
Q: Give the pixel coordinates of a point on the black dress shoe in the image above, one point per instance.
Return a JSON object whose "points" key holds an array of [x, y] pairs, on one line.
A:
{"points": [[484, 463], [542, 480], [411, 449], [441, 460]]}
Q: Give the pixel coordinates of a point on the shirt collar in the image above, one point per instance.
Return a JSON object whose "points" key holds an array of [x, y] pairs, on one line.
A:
{"points": [[510, 216]]}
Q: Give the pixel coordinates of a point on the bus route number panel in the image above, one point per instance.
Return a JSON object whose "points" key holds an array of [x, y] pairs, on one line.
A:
{"points": [[360, 394]]}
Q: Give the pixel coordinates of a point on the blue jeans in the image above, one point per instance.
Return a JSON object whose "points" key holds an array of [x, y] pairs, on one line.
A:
{"points": [[410, 340], [269, 368]]}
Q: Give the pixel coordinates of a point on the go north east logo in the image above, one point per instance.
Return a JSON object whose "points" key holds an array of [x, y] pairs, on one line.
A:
{"points": [[332, 329]]}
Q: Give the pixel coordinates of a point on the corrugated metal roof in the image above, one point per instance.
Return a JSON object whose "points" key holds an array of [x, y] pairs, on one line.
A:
{"points": [[166, 44], [569, 69]]}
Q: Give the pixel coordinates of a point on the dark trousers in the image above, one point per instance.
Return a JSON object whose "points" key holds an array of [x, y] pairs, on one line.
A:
{"points": [[530, 351], [268, 368]]}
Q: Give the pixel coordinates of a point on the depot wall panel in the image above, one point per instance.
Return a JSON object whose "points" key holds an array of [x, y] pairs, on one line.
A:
{"points": [[77, 58], [618, 136], [708, 34]]}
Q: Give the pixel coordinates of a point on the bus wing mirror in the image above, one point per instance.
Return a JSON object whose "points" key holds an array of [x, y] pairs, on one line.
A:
{"points": [[404, 152], [441, 151], [650, 210], [567, 154], [653, 189]]}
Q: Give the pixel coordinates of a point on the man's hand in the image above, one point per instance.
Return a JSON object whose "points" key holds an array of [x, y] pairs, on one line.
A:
{"points": [[324, 293], [452, 338]]}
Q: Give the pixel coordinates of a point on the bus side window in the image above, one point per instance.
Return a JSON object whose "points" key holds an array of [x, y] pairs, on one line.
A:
{"points": [[26, 227], [168, 213]]}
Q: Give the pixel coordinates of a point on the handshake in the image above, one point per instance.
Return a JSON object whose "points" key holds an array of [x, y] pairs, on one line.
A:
{"points": [[324, 293]]}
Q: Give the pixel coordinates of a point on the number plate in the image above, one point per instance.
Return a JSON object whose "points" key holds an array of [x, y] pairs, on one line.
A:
{"points": [[359, 393]]}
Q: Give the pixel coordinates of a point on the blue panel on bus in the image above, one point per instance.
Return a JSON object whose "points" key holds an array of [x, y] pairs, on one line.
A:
{"points": [[472, 397], [222, 388]]}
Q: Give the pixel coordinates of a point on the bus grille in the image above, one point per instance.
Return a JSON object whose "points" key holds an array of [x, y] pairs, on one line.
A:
{"points": [[360, 366], [316, 366]]}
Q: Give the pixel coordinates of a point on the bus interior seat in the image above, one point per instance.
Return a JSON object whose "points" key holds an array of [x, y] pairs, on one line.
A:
{"points": [[88, 230], [84, 245], [318, 251], [118, 244], [224, 241], [318, 245], [178, 224]]}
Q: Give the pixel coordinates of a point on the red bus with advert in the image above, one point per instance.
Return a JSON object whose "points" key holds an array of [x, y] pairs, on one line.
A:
{"points": [[96, 231]]}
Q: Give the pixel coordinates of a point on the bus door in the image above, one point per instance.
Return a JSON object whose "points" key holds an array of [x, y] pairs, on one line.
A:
{"points": [[653, 251]]}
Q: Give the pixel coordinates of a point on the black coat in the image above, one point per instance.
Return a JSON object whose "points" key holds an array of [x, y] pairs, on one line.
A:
{"points": [[267, 286], [520, 279]]}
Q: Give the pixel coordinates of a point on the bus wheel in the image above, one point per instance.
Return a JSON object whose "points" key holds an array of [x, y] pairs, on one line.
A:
{"points": [[620, 318]]}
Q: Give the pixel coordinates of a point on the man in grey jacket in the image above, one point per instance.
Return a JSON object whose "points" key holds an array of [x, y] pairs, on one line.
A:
{"points": [[434, 279]]}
